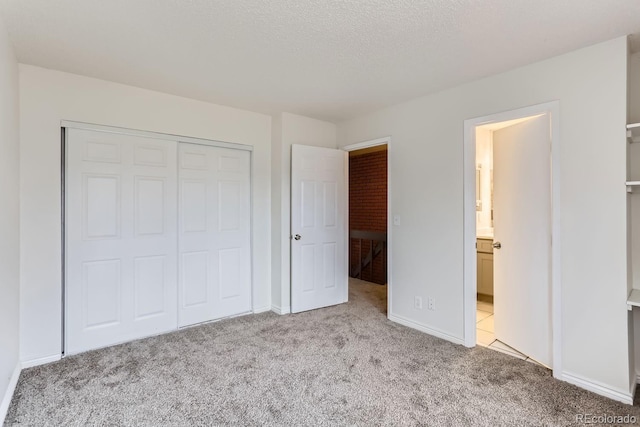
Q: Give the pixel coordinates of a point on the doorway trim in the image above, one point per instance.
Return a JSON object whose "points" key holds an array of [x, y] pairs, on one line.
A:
{"points": [[359, 146], [469, 218], [65, 124]]}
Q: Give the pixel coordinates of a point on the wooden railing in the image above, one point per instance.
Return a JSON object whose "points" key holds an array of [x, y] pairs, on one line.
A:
{"points": [[375, 246]]}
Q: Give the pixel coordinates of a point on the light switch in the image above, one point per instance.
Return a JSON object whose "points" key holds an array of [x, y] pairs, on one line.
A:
{"points": [[396, 220]]}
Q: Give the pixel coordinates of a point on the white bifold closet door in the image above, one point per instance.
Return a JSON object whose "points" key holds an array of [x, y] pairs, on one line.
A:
{"points": [[214, 233], [121, 228]]}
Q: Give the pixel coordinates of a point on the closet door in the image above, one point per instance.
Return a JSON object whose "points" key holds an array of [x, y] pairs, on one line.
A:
{"points": [[121, 234], [214, 233]]}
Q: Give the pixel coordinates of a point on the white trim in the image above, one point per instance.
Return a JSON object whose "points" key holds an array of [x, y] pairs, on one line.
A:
{"points": [[345, 227], [367, 144], [8, 394], [261, 309], [40, 361], [389, 231], [426, 329], [281, 310], [598, 388], [386, 140], [252, 228], [469, 254], [154, 135]]}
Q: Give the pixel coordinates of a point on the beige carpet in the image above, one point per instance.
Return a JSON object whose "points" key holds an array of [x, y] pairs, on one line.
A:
{"points": [[344, 365]]}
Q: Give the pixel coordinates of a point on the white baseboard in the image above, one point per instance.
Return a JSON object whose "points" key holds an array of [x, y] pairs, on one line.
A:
{"points": [[261, 310], [597, 388], [281, 310], [40, 361], [426, 329], [8, 394]]}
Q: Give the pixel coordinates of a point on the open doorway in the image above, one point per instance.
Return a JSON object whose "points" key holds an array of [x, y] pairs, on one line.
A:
{"points": [[510, 217], [320, 228], [518, 151], [368, 249]]}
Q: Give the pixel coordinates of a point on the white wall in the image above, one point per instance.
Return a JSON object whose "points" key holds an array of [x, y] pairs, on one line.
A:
{"points": [[427, 190], [46, 97], [634, 88], [289, 129], [9, 220]]}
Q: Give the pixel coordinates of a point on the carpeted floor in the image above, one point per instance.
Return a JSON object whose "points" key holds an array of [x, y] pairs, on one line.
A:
{"points": [[343, 365]]}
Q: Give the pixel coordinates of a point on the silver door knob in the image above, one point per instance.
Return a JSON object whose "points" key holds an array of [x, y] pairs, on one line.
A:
{"points": [[297, 237], [497, 245]]}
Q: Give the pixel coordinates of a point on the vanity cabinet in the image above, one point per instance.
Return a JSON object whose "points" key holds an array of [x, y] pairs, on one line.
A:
{"points": [[484, 253]]}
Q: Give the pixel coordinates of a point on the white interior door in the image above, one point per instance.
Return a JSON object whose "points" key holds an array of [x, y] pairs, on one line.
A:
{"points": [[214, 241], [522, 226], [121, 254], [319, 275]]}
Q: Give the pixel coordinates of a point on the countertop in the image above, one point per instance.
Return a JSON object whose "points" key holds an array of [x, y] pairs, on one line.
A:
{"points": [[485, 237]]}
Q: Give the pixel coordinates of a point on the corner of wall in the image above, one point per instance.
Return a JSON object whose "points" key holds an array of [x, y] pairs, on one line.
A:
{"points": [[8, 395], [276, 208], [281, 310], [9, 221]]}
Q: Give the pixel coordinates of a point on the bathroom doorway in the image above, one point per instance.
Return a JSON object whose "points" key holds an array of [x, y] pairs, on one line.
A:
{"points": [[517, 215], [513, 214]]}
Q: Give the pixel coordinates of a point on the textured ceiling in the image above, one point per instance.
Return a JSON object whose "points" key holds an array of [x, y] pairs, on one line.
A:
{"points": [[330, 59]]}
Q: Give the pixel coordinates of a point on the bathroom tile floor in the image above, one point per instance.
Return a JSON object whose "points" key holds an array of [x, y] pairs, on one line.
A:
{"points": [[485, 332]]}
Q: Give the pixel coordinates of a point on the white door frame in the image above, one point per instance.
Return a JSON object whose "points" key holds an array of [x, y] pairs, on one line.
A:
{"points": [[154, 135], [359, 146], [469, 175]]}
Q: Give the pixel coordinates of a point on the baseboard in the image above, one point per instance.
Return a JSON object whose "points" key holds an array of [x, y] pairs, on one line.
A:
{"points": [[281, 310], [41, 361], [597, 388], [261, 310], [426, 329], [8, 394]]}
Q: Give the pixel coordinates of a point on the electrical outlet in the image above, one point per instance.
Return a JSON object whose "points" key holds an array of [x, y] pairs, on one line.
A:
{"points": [[417, 303], [431, 303]]}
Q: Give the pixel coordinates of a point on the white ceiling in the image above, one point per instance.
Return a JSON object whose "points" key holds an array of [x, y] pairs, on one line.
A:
{"points": [[330, 59]]}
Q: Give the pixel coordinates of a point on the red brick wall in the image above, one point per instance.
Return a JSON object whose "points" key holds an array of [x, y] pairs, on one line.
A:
{"points": [[368, 208]]}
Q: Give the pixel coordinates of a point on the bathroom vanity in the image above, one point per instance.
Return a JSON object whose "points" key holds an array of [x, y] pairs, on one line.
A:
{"points": [[484, 252]]}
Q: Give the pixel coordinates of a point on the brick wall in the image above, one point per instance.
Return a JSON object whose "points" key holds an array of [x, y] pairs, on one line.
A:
{"points": [[368, 208]]}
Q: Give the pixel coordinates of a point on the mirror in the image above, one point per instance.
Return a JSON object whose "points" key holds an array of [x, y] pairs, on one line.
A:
{"points": [[478, 189]]}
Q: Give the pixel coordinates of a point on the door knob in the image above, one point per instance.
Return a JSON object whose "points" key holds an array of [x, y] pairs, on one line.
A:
{"points": [[297, 237], [497, 245]]}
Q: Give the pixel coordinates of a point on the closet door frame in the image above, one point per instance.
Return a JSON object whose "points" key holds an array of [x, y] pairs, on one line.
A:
{"points": [[154, 135], [68, 124]]}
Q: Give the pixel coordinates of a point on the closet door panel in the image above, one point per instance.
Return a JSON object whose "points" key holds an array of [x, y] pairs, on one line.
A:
{"points": [[121, 234], [215, 223]]}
